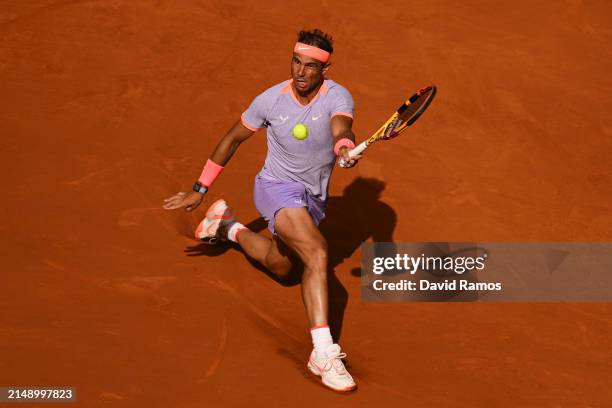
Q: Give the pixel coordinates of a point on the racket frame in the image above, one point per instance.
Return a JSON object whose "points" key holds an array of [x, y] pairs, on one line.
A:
{"points": [[380, 134]]}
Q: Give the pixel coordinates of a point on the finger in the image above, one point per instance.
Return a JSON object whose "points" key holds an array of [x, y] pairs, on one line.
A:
{"points": [[353, 158], [174, 204], [177, 195], [174, 200], [349, 164]]}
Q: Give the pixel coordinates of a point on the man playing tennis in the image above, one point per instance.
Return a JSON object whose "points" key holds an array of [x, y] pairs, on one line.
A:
{"points": [[308, 120]]}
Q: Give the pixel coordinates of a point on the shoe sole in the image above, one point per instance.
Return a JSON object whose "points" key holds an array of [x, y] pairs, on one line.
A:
{"points": [[340, 390]]}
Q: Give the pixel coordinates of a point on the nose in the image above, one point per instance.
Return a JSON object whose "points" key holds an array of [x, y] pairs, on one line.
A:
{"points": [[301, 70]]}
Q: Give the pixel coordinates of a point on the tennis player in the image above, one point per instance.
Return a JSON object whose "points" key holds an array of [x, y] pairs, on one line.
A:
{"points": [[308, 120]]}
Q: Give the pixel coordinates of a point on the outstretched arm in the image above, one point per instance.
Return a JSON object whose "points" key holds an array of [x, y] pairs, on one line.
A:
{"points": [[229, 143], [221, 155]]}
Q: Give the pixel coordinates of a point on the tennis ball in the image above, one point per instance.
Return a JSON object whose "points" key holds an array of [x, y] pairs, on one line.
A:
{"points": [[300, 131]]}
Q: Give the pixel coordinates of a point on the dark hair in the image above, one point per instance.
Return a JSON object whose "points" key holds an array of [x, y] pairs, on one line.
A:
{"points": [[317, 38]]}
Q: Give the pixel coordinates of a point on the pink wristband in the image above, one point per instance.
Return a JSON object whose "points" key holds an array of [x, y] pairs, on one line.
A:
{"points": [[210, 173], [341, 143]]}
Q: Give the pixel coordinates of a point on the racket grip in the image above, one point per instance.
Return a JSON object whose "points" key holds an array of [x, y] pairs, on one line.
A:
{"points": [[354, 152], [358, 149]]}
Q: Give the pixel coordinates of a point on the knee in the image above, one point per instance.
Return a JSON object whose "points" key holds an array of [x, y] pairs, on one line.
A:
{"points": [[316, 257]]}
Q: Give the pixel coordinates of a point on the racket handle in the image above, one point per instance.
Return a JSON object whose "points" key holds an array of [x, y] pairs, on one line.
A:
{"points": [[354, 152], [358, 149]]}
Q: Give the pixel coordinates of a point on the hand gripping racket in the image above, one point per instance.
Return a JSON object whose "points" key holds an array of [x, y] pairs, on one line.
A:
{"points": [[405, 116]]}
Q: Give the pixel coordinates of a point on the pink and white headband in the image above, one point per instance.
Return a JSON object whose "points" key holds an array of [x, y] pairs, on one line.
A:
{"points": [[311, 51]]}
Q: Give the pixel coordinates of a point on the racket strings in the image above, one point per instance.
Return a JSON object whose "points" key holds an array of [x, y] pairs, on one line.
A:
{"points": [[406, 114], [392, 126]]}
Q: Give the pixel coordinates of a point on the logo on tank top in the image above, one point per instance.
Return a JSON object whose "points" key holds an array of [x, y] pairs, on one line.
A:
{"points": [[283, 119], [317, 117]]}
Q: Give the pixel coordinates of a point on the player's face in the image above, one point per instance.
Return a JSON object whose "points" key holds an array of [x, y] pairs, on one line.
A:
{"points": [[307, 73]]}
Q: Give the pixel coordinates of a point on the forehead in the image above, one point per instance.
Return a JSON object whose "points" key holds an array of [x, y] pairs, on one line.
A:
{"points": [[306, 59]]}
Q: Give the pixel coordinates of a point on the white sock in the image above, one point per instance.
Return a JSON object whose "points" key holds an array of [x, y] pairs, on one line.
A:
{"points": [[233, 231], [321, 339]]}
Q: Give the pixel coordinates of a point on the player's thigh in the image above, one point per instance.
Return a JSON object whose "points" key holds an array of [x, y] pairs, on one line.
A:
{"points": [[296, 228]]}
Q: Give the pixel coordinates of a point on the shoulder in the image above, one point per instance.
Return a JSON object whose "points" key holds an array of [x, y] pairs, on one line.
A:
{"points": [[334, 89], [274, 91], [338, 99], [266, 100]]}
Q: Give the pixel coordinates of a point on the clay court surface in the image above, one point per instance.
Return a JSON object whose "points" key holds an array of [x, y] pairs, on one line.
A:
{"points": [[108, 107]]}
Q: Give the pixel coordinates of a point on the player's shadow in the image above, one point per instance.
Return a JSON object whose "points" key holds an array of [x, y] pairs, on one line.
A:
{"points": [[351, 219]]}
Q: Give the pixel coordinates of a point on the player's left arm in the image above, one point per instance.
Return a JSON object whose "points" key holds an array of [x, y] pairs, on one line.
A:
{"points": [[341, 128]]}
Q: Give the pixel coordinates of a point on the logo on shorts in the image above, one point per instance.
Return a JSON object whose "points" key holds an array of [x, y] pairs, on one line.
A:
{"points": [[297, 201]]}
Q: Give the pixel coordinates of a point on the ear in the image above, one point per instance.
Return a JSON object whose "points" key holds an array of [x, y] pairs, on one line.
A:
{"points": [[326, 68]]}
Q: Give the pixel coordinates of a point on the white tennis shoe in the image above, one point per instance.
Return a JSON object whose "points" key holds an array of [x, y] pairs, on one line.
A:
{"points": [[331, 369], [218, 218]]}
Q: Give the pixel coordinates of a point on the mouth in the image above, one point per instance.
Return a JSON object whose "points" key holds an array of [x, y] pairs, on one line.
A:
{"points": [[301, 84]]}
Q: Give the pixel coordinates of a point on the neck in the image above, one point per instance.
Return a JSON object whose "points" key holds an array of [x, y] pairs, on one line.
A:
{"points": [[305, 98]]}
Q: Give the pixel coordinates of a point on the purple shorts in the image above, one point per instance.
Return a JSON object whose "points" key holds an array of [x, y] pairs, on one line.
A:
{"points": [[271, 195]]}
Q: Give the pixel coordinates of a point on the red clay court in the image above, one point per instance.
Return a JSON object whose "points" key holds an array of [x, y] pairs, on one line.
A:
{"points": [[108, 107]]}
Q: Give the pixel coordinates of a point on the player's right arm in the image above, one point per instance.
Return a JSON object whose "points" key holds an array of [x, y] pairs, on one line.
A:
{"points": [[229, 143], [224, 151]]}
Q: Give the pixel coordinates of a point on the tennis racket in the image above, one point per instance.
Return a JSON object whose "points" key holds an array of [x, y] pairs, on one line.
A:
{"points": [[403, 117]]}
